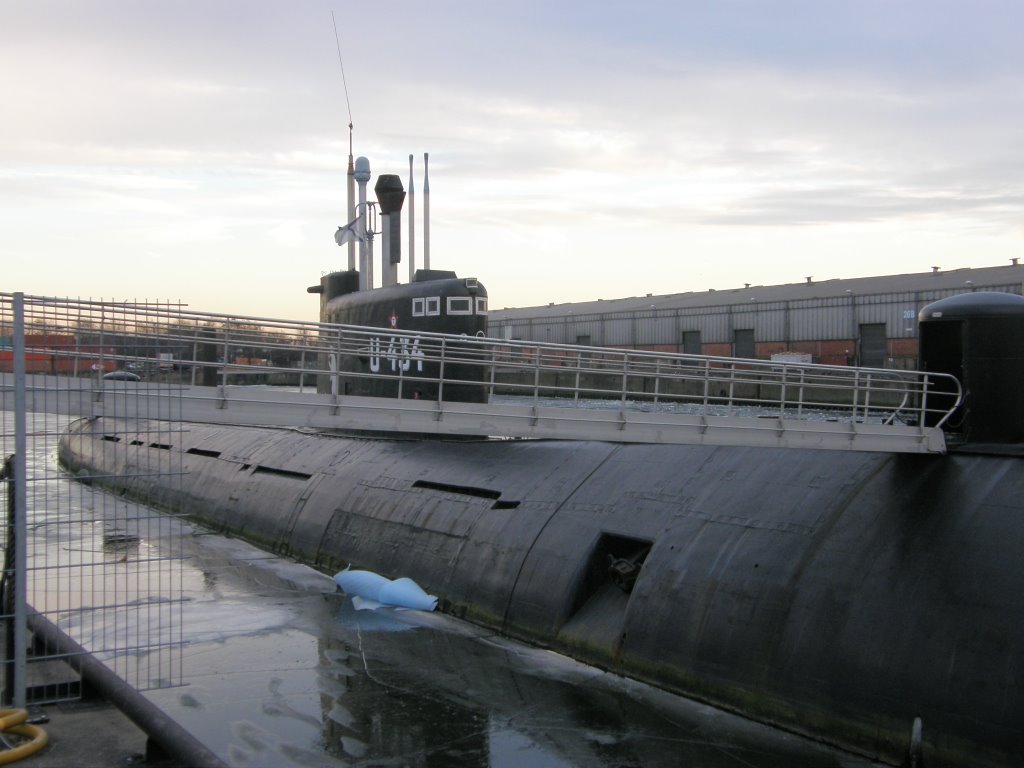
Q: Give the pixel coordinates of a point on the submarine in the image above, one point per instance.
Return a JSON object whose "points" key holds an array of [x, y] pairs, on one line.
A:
{"points": [[867, 599]]}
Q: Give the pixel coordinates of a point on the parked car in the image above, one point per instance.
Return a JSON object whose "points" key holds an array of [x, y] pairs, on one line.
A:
{"points": [[122, 376]]}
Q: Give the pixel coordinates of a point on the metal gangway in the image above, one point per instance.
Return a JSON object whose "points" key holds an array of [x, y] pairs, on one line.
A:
{"points": [[245, 370]]}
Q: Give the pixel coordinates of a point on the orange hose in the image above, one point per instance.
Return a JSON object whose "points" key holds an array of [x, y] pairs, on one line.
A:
{"points": [[13, 721]]}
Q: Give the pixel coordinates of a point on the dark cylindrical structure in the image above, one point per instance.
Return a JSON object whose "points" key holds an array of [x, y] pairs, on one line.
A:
{"points": [[390, 193], [390, 196], [979, 338]]}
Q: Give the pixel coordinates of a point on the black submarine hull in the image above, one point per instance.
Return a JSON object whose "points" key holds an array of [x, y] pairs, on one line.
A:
{"points": [[839, 595]]}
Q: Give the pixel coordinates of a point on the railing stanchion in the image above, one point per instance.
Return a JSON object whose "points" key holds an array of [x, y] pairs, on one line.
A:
{"points": [[856, 395], [867, 397], [800, 397], [195, 356], [923, 410], [224, 366], [782, 392], [536, 374], [732, 385], [657, 381], [707, 384], [494, 367], [576, 388], [440, 372], [625, 377]]}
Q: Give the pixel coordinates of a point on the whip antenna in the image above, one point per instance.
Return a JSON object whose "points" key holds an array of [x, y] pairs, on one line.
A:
{"points": [[344, 82], [351, 163]]}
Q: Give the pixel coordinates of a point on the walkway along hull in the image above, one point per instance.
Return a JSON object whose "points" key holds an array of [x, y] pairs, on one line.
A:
{"points": [[841, 595]]}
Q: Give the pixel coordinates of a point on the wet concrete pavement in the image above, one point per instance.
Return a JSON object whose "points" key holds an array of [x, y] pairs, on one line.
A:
{"points": [[93, 734], [281, 670]]}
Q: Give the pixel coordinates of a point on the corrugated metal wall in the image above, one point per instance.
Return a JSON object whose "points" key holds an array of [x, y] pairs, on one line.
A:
{"points": [[815, 320], [830, 318]]}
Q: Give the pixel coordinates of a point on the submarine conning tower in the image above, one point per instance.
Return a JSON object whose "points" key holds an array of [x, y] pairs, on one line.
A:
{"points": [[979, 338]]}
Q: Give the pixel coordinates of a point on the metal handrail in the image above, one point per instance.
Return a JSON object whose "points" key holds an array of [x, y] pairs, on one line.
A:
{"points": [[123, 334]]}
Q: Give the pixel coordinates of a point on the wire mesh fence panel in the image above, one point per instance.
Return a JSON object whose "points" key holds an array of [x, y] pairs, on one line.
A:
{"points": [[102, 571]]}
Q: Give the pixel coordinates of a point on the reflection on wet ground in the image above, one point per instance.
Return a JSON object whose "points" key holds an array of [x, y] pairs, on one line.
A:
{"points": [[282, 670]]}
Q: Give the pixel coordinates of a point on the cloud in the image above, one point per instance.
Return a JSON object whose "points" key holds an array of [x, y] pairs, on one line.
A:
{"points": [[816, 206], [216, 133]]}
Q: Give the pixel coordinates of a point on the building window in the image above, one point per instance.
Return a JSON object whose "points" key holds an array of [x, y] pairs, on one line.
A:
{"points": [[460, 305]]}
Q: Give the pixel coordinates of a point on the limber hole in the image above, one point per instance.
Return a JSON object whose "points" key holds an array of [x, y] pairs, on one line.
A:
{"points": [[204, 452], [260, 469], [468, 490]]}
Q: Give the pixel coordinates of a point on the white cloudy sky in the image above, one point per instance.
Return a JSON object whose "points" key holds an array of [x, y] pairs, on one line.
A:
{"points": [[196, 150]]}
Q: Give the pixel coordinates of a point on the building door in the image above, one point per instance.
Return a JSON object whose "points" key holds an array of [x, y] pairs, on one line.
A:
{"points": [[743, 343], [871, 352], [691, 342], [583, 341]]}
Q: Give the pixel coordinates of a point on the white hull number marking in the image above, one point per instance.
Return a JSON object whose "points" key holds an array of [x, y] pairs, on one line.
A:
{"points": [[400, 351]]}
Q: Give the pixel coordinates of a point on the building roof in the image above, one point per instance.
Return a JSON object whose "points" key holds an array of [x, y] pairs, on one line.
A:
{"points": [[967, 278]]}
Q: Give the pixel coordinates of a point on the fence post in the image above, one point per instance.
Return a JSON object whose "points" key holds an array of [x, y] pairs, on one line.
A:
{"points": [[96, 375], [20, 508]]}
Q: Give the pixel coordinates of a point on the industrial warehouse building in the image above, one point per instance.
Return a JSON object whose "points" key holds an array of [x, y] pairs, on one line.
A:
{"points": [[870, 321]]}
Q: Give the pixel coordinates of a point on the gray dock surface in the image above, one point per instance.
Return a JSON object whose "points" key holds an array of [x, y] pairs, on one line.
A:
{"points": [[281, 670]]}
